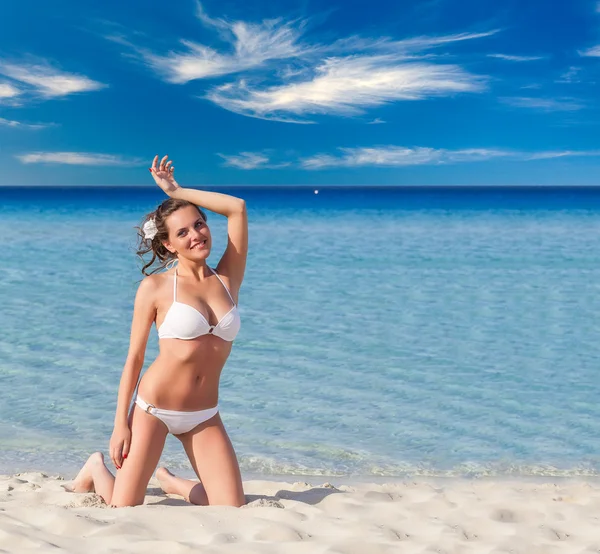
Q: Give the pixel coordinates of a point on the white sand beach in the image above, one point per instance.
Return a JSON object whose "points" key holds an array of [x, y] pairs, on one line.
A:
{"points": [[444, 516]]}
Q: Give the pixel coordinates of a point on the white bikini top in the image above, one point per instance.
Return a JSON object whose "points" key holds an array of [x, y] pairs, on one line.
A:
{"points": [[186, 322]]}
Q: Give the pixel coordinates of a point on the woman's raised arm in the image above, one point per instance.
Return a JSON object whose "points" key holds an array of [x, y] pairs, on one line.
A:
{"points": [[233, 262]]}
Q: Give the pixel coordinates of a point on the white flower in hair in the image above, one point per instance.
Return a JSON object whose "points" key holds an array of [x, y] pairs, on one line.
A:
{"points": [[149, 229]]}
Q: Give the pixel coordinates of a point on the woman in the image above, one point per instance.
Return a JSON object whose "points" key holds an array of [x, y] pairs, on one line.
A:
{"points": [[195, 311]]}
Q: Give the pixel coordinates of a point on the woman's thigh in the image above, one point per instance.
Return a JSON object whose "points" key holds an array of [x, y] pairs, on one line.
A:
{"points": [[212, 456], [148, 435]]}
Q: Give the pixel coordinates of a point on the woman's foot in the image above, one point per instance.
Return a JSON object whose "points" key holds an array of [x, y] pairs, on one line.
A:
{"points": [[166, 480], [84, 481], [192, 491]]}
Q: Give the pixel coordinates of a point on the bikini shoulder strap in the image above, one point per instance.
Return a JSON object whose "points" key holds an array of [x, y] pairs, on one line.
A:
{"points": [[224, 285], [175, 286]]}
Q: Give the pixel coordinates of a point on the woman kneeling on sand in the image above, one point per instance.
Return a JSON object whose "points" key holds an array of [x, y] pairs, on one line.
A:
{"points": [[195, 311]]}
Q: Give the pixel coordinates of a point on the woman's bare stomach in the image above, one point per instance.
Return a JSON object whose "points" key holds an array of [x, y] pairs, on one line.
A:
{"points": [[185, 377]]}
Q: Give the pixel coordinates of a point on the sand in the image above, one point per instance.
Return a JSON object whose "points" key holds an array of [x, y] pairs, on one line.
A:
{"points": [[421, 516]]}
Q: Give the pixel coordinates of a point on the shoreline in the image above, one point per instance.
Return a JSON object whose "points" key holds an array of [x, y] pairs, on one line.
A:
{"points": [[67, 471], [358, 481]]}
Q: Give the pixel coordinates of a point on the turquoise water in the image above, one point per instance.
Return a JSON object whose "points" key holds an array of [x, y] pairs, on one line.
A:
{"points": [[383, 332]]}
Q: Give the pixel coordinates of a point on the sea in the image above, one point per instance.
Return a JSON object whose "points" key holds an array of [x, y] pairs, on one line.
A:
{"points": [[386, 332]]}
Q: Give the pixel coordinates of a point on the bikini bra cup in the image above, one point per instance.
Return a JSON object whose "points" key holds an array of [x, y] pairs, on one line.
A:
{"points": [[183, 321]]}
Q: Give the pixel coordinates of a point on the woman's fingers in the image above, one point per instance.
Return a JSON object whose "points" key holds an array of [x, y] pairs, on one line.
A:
{"points": [[164, 164], [116, 457], [162, 173]]}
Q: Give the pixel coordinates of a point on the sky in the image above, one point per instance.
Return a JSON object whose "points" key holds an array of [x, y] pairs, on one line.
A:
{"points": [[301, 92]]}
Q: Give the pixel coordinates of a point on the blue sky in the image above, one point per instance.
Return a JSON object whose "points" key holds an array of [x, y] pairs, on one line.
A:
{"points": [[434, 92]]}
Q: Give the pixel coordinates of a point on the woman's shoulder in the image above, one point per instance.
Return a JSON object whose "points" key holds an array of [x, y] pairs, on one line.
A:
{"points": [[152, 284]]}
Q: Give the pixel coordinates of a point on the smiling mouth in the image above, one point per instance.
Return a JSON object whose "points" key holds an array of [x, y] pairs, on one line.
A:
{"points": [[200, 245]]}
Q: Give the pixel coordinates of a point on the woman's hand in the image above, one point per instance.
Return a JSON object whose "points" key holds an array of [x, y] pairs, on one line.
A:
{"points": [[119, 444], [163, 175]]}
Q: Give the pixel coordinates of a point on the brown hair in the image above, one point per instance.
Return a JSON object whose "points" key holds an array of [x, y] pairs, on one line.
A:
{"points": [[155, 245]]}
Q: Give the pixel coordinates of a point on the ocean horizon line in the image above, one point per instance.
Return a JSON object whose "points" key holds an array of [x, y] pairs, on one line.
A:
{"points": [[314, 187]]}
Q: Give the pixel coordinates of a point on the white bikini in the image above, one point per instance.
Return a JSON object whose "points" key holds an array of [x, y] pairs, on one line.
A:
{"points": [[177, 422], [185, 322]]}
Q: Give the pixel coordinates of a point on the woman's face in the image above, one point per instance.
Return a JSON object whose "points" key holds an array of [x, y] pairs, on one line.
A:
{"points": [[189, 236]]}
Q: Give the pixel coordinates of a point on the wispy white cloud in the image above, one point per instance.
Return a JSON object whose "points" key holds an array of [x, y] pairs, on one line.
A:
{"points": [[8, 91], [593, 52], [251, 160], [560, 154], [570, 76], [285, 77], [397, 156], [544, 104], [250, 45], [47, 80], [346, 86], [376, 121], [510, 58], [384, 71], [245, 160], [78, 158], [404, 48], [400, 156], [21, 125]]}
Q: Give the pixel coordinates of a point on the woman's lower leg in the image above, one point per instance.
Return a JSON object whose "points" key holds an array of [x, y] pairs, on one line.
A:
{"points": [[192, 491], [94, 476]]}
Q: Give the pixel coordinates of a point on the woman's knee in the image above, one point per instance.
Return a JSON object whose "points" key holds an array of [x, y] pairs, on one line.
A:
{"points": [[131, 484], [225, 490], [126, 498]]}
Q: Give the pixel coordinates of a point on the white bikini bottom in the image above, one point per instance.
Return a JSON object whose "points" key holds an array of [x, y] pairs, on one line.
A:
{"points": [[178, 422]]}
